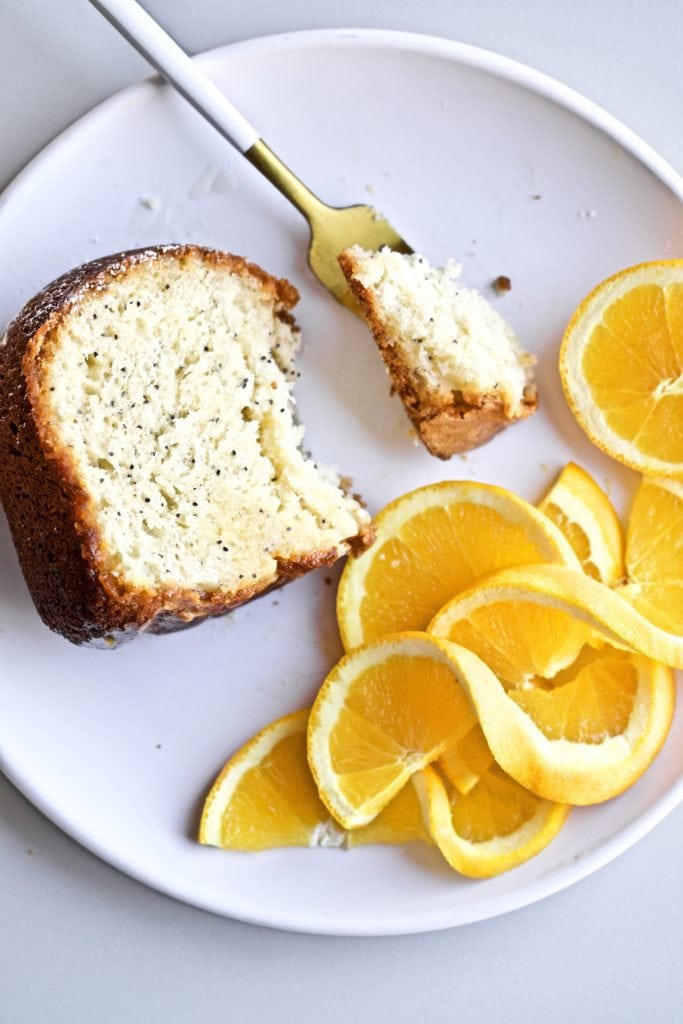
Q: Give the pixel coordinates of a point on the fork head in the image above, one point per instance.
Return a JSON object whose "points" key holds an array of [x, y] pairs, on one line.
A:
{"points": [[334, 229]]}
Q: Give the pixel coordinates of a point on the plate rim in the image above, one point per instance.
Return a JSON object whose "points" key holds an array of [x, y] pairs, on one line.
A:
{"points": [[465, 53], [555, 880], [580, 865]]}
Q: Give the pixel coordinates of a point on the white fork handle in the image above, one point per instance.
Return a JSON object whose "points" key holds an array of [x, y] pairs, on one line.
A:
{"points": [[158, 48]]}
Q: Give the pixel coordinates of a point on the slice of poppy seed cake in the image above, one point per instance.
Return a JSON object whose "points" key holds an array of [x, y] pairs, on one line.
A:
{"points": [[452, 358], [150, 463]]}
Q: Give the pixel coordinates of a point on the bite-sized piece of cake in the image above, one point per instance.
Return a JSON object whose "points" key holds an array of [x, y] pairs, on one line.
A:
{"points": [[150, 463], [452, 358]]}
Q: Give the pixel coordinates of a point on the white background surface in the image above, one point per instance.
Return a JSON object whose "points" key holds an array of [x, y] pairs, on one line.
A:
{"points": [[79, 942]]}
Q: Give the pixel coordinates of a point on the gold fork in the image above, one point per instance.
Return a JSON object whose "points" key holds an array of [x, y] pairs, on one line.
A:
{"points": [[332, 228]]}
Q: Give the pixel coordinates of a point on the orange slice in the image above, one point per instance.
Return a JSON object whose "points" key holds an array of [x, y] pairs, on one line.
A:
{"points": [[496, 826], [533, 620], [654, 554], [265, 797], [388, 711], [433, 542], [391, 709], [384, 712], [586, 517], [572, 712], [621, 364]]}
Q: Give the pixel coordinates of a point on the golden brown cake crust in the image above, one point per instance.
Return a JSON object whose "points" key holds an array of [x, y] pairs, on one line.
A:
{"points": [[445, 427], [47, 508]]}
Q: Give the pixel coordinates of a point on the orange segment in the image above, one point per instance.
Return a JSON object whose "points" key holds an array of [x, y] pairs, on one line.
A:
{"points": [[389, 598], [518, 640], [638, 321], [466, 762], [586, 517], [430, 544], [674, 317], [401, 821], [621, 363], [577, 537], [660, 435], [410, 700], [496, 806], [654, 554], [592, 706]]}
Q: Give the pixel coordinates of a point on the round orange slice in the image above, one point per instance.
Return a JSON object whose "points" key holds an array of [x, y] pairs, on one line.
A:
{"points": [[433, 542], [621, 363], [384, 712]]}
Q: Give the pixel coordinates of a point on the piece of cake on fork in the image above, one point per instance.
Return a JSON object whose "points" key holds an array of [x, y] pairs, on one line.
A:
{"points": [[452, 358]]}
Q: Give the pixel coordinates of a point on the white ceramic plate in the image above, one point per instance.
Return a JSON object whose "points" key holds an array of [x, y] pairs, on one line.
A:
{"points": [[472, 156]]}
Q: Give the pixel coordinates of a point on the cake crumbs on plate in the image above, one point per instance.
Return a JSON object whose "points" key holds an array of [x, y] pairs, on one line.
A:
{"points": [[501, 284]]}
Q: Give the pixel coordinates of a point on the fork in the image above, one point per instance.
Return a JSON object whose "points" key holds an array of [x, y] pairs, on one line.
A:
{"points": [[332, 228]]}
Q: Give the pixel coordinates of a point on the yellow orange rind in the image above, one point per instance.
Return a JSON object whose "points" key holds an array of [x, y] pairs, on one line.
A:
{"points": [[586, 517]]}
